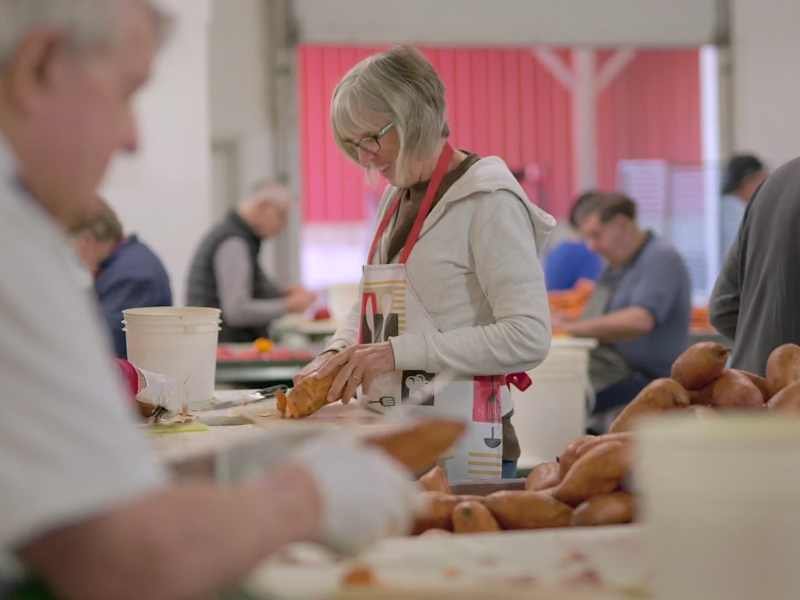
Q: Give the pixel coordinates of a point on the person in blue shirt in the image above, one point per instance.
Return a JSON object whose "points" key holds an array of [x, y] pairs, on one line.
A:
{"points": [[640, 308], [127, 273], [571, 259]]}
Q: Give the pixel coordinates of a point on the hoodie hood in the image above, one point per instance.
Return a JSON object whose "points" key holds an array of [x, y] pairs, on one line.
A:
{"points": [[491, 174]]}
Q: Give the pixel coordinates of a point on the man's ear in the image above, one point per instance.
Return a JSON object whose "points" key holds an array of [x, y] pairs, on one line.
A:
{"points": [[30, 71]]}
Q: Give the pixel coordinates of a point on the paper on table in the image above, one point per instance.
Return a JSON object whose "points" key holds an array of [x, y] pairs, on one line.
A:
{"points": [[161, 428]]}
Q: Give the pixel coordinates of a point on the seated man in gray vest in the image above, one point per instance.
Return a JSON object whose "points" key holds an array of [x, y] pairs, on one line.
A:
{"points": [[225, 271], [639, 311]]}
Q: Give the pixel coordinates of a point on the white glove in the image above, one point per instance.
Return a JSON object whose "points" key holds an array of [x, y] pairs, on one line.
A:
{"points": [[366, 495], [160, 390]]}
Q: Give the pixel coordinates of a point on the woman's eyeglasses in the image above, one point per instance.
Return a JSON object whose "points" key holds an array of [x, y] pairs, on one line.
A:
{"points": [[369, 143]]}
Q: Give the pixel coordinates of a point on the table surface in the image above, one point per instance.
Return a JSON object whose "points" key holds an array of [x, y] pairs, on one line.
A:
{"points": [[258, 423], [589, 562]]}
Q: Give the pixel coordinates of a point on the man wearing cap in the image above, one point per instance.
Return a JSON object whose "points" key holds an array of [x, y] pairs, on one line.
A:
{"points": [[743, 174]]}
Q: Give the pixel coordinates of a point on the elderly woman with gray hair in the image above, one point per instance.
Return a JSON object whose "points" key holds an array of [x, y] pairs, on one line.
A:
{"points": [[452, 285]]}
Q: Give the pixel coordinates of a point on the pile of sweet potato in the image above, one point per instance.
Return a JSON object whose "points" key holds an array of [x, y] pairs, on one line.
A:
{"points": [[586, 484], [583, 488]]}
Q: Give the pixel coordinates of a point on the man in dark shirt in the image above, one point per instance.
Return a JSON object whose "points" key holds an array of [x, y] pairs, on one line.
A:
{"points": [[127, 273], [756, 300], [226, 273]]}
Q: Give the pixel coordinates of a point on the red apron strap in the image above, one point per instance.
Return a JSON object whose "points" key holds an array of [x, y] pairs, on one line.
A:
{"points": [[382, 227], [427, 201]]}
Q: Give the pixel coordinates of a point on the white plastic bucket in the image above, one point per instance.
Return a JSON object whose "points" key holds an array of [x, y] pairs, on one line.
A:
{"points": [[720, 499], [180, 342]]}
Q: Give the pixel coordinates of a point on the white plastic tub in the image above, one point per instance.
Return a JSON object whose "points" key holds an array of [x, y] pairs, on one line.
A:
{"points": [[720, 499], [180, 342]]}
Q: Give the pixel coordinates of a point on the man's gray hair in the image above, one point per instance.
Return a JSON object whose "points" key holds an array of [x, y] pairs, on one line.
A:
{"points": [[85, 23], [403, 87]]}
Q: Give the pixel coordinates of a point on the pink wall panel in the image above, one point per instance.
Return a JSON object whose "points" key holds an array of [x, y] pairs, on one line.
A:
{"points": [[500, 102], [650, 111]]}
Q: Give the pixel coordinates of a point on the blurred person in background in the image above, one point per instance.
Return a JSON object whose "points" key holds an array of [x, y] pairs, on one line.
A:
{"points": [[757, 294], [445, 261], [571, 260], [744, 173], [86, 506], [126, 272], [225, 271], [640, 308]]}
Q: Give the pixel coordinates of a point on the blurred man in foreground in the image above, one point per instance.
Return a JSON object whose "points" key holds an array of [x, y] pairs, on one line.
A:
{"points": [[85, 505]]}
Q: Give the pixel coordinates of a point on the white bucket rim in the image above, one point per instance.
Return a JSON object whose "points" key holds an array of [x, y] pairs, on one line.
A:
{"points": [[189, 329], [173, 313]]}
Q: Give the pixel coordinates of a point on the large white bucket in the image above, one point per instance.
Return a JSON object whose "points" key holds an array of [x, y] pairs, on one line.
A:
{"points": [[180, 342], [720, 499]]}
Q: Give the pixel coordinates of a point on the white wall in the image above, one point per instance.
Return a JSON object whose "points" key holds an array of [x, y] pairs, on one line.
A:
{"points": [[238, 68], [162, 193], [766, 84], [248, 99], [601, 22]]}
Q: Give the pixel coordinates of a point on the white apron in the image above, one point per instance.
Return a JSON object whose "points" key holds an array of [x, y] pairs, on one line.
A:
{"points": [[390, 307]]}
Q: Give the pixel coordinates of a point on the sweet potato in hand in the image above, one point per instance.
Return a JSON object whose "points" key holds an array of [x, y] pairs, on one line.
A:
{"points": [[700, 365], [543, 476], [306, 398], [527, 510], [606, 509], [783, 367], [599, 471], [473, 517], [659, 396], [731, 390], [435, 480]]}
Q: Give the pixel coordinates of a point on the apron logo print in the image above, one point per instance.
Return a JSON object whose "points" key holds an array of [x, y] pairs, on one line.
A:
{"points": [[415, 388]]}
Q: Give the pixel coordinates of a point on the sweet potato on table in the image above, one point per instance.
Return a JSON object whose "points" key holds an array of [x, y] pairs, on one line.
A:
{"points": [[783, 367], [659, 396], [599, 471], [473, 517], [527, 510], [436, 513], [760, 382], [700, 364], [435, 480], [787, 401], [543, 476], [584, 445], [731, 390], [606, 509], [569, 456]]}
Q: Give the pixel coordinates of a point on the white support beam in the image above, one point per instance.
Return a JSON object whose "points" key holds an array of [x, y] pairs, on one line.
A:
{"points": [[557, 67], [584, 120], [613, 68], [709, 120]]}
